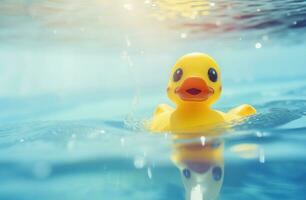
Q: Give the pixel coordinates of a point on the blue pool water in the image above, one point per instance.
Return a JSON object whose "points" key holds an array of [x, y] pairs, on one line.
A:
{"points": [[79, 77]]}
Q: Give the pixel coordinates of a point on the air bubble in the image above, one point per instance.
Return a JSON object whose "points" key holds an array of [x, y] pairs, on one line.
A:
{"points": [[183, 35], [139, 162], [122, 141], [203, 140], [71, 145], [258, 45], [149, 172], [212, 4], [259, 134], [262, 158]]}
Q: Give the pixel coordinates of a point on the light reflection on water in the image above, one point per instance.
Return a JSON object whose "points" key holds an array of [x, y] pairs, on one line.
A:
{"points": [[75, 21]]}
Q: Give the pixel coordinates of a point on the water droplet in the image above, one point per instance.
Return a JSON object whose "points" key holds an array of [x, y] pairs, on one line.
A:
{"points": [[258, 45], [203, 140], [122, 141], [212, 4], [149, 172], [258, 10], [139, 162], [183, 35], [128, 42], [71, 145], [21, 140], [262, 158], [135, 100], [259, 134]]}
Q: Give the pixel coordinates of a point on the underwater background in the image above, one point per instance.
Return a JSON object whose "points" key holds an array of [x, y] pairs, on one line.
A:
{"points": [[77, 78]]}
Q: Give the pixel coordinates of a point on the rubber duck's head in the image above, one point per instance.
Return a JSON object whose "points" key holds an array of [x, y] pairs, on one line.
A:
{"points": [[195, 79]]}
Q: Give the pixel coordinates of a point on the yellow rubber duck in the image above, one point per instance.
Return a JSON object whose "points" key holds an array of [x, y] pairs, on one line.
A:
{"points": [[194, 85]]}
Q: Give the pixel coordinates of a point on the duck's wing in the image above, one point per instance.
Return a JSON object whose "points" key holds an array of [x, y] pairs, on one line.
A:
{"points": [[161, 118], [162, 108], [243, 110]]}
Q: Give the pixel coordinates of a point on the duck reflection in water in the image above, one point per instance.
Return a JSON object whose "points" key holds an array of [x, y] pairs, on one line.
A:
{"points": [[201, 166]]}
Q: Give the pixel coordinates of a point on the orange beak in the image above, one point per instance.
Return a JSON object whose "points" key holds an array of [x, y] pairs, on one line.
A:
{"points": [[194, 89]]}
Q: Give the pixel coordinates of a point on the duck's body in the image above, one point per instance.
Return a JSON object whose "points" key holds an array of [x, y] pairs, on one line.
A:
{"points": [[194, 87], [191, 119]]}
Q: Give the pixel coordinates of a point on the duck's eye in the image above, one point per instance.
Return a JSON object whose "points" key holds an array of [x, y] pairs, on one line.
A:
{"points": [[212, 74], [177, 75]]}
